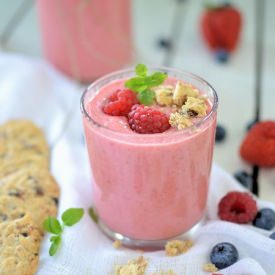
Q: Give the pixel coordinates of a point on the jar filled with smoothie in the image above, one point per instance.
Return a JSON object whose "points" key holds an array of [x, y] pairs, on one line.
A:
{"points": [[150, 136], [86, 39]]}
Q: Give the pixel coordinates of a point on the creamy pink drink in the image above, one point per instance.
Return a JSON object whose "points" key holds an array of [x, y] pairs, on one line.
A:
{"points": [[148, 186], [86, 39]]}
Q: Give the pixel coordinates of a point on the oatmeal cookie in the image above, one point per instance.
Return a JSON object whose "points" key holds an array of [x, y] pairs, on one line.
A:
{"points": [[20, 244], [35, 190], [11, 209], [22, 136]]}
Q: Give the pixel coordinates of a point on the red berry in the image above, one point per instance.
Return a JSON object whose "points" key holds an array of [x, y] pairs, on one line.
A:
{"points": [[258, 147], [238, 207], [221, 27], [146, 120], [120, 103]]}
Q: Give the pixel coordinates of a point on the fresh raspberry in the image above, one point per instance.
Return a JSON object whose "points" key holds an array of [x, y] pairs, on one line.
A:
{"points": [[258, 147], [120, 103], [146, 120], [238, 207]]}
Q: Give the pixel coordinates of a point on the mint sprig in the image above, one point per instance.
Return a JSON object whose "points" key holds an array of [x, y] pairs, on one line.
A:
{"points": [[143, 83], [52, 225]]}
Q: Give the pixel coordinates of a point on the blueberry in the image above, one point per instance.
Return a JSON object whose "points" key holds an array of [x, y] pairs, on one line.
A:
{"points": [[220, 133], [224, 255], [165, 43], [265, 219], [222, 55], [244, 179], [272, 236]]}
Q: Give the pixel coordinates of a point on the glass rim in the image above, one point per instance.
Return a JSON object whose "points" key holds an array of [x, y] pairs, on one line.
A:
{"points": [[150, 68]]}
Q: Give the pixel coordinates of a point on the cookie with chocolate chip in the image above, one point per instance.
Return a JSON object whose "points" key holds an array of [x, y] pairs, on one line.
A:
{"points": [[11, 209], [12, 165], [35, 190], [20, 244]]}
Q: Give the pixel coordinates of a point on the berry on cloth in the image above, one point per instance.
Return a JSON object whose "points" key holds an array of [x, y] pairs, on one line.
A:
{"points": [[224, 255], [120, 103], [258, 147], [265, 219], [237, 207], [147, 120], [221, 27], [222, 55], [220, 133]]}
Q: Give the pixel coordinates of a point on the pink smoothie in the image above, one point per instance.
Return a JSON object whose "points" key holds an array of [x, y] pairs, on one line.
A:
{"points": [[84, 38], [151, 186]]}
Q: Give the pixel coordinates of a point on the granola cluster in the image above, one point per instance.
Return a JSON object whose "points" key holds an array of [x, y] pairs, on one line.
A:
{"points": [[186, 101]]}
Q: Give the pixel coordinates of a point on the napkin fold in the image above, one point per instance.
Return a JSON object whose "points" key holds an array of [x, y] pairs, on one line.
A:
{"points": [[32, 89]]}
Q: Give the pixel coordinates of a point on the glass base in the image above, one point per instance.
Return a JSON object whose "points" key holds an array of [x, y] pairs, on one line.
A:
{"points": [[147, 244]]}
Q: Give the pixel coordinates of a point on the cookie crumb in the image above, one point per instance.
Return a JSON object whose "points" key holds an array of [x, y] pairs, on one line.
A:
{"points": [[179, 96], [209, 267], [195, 105], [164, 96], [168, 272], [180, 120], [182, 91], [177, 247], [133, 267], [117, 244]]}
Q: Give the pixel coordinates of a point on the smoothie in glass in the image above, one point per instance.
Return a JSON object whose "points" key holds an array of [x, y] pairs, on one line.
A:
{"points": [[150, 186]]}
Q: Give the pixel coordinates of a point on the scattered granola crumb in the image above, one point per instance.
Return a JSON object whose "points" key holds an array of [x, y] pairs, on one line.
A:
{"points": [[164, 96], [180, 120], [209, 267], [117, 244], [177, 247], [168, 272], [133, 267], [196, 105]]}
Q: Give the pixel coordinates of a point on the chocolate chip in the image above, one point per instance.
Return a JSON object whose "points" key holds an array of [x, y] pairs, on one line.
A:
{"points": [[15, 193], [3, 217], [25, 234], [56, 201], [39, 191], [192, 113]]}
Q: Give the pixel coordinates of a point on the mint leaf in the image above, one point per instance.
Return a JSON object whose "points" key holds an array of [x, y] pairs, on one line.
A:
{"points": [[52, 225], [54, 237], [72, 216], [137, 84], [141, 70], [143, 83], [56, 241], [156, 79], [146, 97], [93, 214]]}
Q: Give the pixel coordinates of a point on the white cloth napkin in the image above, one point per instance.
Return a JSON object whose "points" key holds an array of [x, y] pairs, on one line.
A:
{"points": [[32, 89]]}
